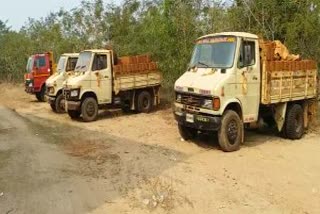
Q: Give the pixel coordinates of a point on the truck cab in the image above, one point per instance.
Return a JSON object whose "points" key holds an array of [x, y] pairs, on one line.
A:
{"points": [[91, 84], [54, 83], [92, 78], [39, 68], [221, 89]]}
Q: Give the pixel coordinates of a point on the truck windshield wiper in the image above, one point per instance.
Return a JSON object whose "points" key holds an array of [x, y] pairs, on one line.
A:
{"points": [[202, 63]]}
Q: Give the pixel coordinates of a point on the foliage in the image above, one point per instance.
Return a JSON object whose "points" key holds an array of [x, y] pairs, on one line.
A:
{"points": [[165, 28]]}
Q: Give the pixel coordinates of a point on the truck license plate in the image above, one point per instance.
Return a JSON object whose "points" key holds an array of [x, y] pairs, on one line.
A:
{"points": [[190, 118]]}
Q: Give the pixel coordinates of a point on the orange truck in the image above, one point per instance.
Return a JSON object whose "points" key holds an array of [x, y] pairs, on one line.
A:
{"points": [[39, 68]]}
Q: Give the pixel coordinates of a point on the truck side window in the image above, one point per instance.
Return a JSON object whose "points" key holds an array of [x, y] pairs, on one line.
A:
{"points": [[247, 54], [99, 62]]}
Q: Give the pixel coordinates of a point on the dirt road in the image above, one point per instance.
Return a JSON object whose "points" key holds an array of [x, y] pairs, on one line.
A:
{"points": [[138, 164]]}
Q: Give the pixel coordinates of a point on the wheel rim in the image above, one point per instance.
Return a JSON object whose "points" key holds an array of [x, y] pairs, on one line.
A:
{"points": [[145, 103], [232, 131], [90, 110]]}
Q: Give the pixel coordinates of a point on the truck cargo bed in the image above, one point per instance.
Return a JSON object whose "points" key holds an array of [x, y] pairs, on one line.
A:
{"points": [[134, 72], [136, 80], [284, 81]]}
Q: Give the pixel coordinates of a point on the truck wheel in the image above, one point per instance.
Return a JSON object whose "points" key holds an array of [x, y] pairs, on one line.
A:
{"points": [[41, 95], [74, 114], [144, 102], [58, 104], [53, 107], [294, 127], [187, 133], [231, 132], [89, 109]]}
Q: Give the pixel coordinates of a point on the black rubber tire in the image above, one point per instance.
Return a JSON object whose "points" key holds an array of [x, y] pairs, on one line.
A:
{"points": [[89, 109], [231, 132], [294, 124], [187, 133], [74, 114], [59, 108], [53, 107], [41, 95], [144, 102]]}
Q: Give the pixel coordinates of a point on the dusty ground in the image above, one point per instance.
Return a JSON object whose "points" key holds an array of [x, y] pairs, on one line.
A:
{"points": [[138, 164]]}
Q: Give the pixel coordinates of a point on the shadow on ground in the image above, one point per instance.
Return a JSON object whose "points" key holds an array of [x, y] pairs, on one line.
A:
{"points": [[92, 168]]}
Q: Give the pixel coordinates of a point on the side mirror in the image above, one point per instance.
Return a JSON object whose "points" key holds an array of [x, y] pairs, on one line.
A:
{"points": [[240, 64]]}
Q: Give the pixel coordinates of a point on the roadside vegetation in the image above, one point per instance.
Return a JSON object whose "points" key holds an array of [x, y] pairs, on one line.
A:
{"points": [[165, 28]]}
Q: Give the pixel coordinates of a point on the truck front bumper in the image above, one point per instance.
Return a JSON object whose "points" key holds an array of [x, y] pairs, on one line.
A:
{"points": [[199, 122], [29, 90], [72, 105], [51, 100]]}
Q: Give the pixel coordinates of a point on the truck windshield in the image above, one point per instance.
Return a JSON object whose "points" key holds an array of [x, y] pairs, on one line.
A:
{"points": [[71, 64], [40, 61], [29, 64], [61, 64], [83, 62], [214, 52]]}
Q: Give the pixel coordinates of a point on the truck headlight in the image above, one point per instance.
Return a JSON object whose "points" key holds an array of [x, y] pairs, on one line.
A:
{"points": [[51, 90], [74, 93], [207, 104], [212, 104]]}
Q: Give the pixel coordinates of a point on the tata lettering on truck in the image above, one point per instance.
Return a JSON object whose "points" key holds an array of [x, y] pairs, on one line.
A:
{"points": [[235, 80], [101, 80], [39, 68], [54, 84]]}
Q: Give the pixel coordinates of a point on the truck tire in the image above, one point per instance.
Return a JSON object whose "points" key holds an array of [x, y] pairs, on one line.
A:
{"points": [[231, 132], [89, 109], [144, 102], [294, 124], [41, 95], [187, 133], [58, 104], [53, 107], [74, 114]]}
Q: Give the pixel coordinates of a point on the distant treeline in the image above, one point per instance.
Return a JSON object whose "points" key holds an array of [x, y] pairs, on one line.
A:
{"points": [[165, 28]]}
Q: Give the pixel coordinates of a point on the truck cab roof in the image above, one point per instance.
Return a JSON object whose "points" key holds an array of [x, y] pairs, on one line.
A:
{"points": [[98, 50], [238, 34], [71, 54]]}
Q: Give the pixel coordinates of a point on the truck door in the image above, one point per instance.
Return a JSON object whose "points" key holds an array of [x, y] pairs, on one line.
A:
{"points": [[101, 78], [42, 70], [248, 79]]}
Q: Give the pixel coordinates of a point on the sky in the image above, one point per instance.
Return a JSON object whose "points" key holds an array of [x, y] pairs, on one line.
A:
{"points": [[17, 12]]}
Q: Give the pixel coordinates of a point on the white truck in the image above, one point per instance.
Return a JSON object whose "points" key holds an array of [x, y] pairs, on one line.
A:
{"points": [[101, 80], [232, 83], [54, 83]]}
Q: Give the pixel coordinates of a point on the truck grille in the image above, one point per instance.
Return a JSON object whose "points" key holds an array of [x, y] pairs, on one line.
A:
{"points": [[192, 100], [66, 93]]}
